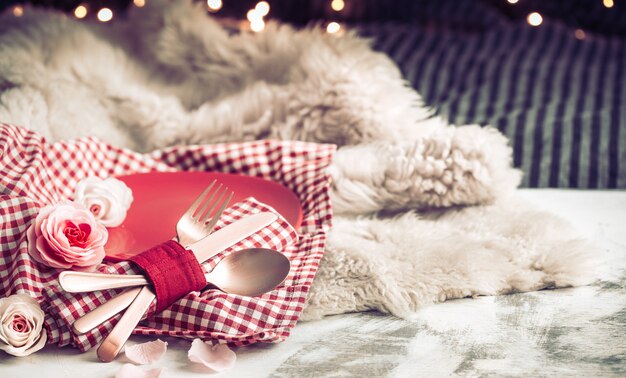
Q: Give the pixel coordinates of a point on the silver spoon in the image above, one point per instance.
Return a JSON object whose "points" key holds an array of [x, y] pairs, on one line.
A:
{"points": [[250, 272]]}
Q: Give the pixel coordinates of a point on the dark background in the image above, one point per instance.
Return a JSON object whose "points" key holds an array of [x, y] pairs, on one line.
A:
{"points": [[590, 15]]}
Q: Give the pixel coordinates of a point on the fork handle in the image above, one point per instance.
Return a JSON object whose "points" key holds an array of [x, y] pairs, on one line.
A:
{"points": [[101, 313], [78, 282], [114, 342]]}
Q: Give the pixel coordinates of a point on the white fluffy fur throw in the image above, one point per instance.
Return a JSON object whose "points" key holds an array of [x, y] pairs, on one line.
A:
{"points": [[168, 74]]}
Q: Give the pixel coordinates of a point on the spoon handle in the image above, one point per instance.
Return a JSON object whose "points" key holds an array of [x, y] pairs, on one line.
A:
{"points": [[114, 342], [78, 282], [100, 314]]}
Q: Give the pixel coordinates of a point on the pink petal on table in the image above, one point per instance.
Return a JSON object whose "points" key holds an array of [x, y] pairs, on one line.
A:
{"points": [[132, 371], [216, 358], [146, 353]]}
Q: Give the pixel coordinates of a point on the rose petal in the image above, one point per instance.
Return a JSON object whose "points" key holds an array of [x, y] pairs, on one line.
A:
{"points": [[146, 353], [26, 350], [216, 358], [132, 371], [91, 262], [41, 253]]}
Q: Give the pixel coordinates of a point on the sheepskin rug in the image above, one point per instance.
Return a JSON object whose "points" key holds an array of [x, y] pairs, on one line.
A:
{"points": [[424, 211]]}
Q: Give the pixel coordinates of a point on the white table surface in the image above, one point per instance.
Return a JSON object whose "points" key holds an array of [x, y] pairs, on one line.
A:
{"points": [[570, 332]]}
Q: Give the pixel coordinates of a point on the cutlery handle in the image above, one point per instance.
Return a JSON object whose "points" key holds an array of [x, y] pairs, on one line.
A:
{"points": [[78, 282], [114, 342], [107, 310]]}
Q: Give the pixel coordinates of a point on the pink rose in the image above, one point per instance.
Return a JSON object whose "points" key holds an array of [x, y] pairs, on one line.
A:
{"points": [[21, 325], [67, 236]]}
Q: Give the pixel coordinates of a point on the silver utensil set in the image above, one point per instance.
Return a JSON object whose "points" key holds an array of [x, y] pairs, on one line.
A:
{"points": [[249, 272]]}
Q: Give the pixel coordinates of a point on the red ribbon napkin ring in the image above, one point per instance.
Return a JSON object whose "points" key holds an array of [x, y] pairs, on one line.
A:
{"points": [[172, 270]]}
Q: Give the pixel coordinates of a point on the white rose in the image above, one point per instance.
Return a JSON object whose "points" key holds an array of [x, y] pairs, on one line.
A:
{"points": [[21, 327], [108, 200]]}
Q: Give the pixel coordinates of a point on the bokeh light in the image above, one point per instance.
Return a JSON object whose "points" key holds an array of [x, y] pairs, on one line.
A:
{"points": [[105, 15], [580, 34], [18, 11], [257, 25], [214, 5], [80, 11], [253, 15], [337, 5], [333, 27], [535, 19], [262, 8]]}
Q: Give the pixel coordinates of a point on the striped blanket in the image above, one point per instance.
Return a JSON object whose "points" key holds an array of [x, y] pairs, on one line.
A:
{"points": [[556, 91]]}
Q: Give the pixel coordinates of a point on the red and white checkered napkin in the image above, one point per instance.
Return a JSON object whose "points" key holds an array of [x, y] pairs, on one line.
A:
{"points": [[34, 173]]}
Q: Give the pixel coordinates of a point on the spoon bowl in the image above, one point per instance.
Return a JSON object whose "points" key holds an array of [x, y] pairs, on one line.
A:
{"points": [[250, 272]]}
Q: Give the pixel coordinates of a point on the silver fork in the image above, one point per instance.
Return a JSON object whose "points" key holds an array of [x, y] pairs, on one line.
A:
{"points": [[191, 227], [197, 222]]}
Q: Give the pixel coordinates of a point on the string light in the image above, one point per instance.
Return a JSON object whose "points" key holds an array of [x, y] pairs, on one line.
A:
{"points": [[80, 11], [608, 3], [262, 8], [534, 19], [105, 15], [18, 11], [214, 5], [139, 3], [333, 27], [253, 15], [257, 25], [580, 34], [337, 5]]}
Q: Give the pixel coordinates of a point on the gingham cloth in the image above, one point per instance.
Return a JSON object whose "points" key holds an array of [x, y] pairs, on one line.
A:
{"points": [[34, 173]]}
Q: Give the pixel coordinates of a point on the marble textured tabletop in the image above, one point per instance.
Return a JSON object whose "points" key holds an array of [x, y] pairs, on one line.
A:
{"points": [[572, 332]]}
